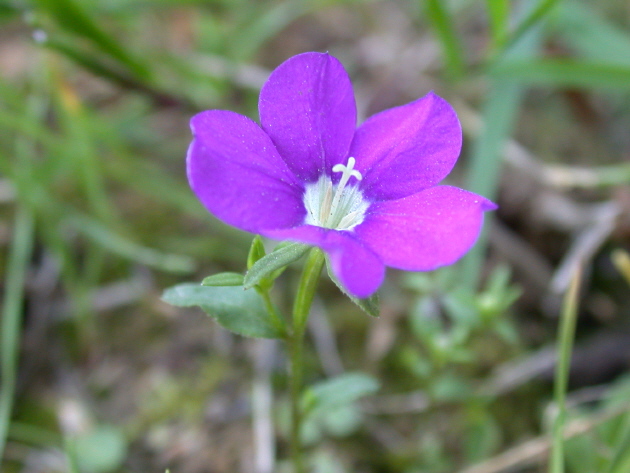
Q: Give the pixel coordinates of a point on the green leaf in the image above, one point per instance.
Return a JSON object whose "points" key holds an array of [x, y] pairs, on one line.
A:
{"points": [[235, 309], [448, 387], [325, 461], [369, 305], [483, 435], [278, 259], [101, 450], [256, 251], [337, 392], [459, 304], [580, 455], [224, 279], [342, 421]]}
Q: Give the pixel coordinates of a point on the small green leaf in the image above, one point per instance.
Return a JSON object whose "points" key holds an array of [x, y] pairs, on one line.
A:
{"points": [[483, 435], [450, 388], [343, 421], [339, 391], [276, 260], [369, 305], [101, 450], [239, 311], [256, 251], [224, 279]]}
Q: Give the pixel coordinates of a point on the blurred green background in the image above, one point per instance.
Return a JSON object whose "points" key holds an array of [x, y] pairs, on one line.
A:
{"points": [[96, 219]]}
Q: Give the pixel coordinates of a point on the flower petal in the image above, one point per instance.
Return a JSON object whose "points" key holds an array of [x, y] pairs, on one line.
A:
{"points": [[356, 266], [236, 172], [426, 230], [405, 149], [307, 107]]}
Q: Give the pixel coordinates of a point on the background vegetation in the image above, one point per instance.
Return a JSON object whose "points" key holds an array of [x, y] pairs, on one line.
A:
{"points": [[96, 219]]}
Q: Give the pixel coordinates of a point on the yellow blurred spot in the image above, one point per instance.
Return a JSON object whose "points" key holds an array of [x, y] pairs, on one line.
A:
{"points": [[69, 98], [621, 260]]}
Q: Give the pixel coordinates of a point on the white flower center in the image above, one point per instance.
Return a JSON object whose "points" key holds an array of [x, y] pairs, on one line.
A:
{"points": [[340, 206]]}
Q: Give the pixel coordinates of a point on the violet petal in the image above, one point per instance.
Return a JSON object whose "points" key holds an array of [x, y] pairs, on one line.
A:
{"points": [[406, 149], [307, 107], [357, 267], [424, 231], [238, 175]]}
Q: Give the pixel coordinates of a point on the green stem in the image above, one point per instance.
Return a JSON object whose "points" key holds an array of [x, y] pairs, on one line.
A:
{"points": [[301, 309], [565, 347], [276, 318]]}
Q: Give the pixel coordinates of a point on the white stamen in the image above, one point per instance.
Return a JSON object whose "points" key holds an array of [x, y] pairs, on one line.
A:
{"points": [[348, 220], [340, 206], [324, 213], [347, 172]]}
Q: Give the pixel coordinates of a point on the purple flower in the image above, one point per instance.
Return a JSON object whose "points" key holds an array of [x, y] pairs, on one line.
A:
{"points": [[367, 196]]}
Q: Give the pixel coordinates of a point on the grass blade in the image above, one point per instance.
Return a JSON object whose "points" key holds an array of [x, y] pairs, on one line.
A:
{"points": [[566, 73], [443, 23], [114, 74], [620, 461], [498, 14], [116, 243], [565, 347], [21, 250], [83, 153], [499, 114], [538, 13], [590, 35], [72, 17]]}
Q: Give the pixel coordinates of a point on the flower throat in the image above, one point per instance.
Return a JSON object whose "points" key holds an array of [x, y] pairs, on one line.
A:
{"points": [[341, 206]]}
